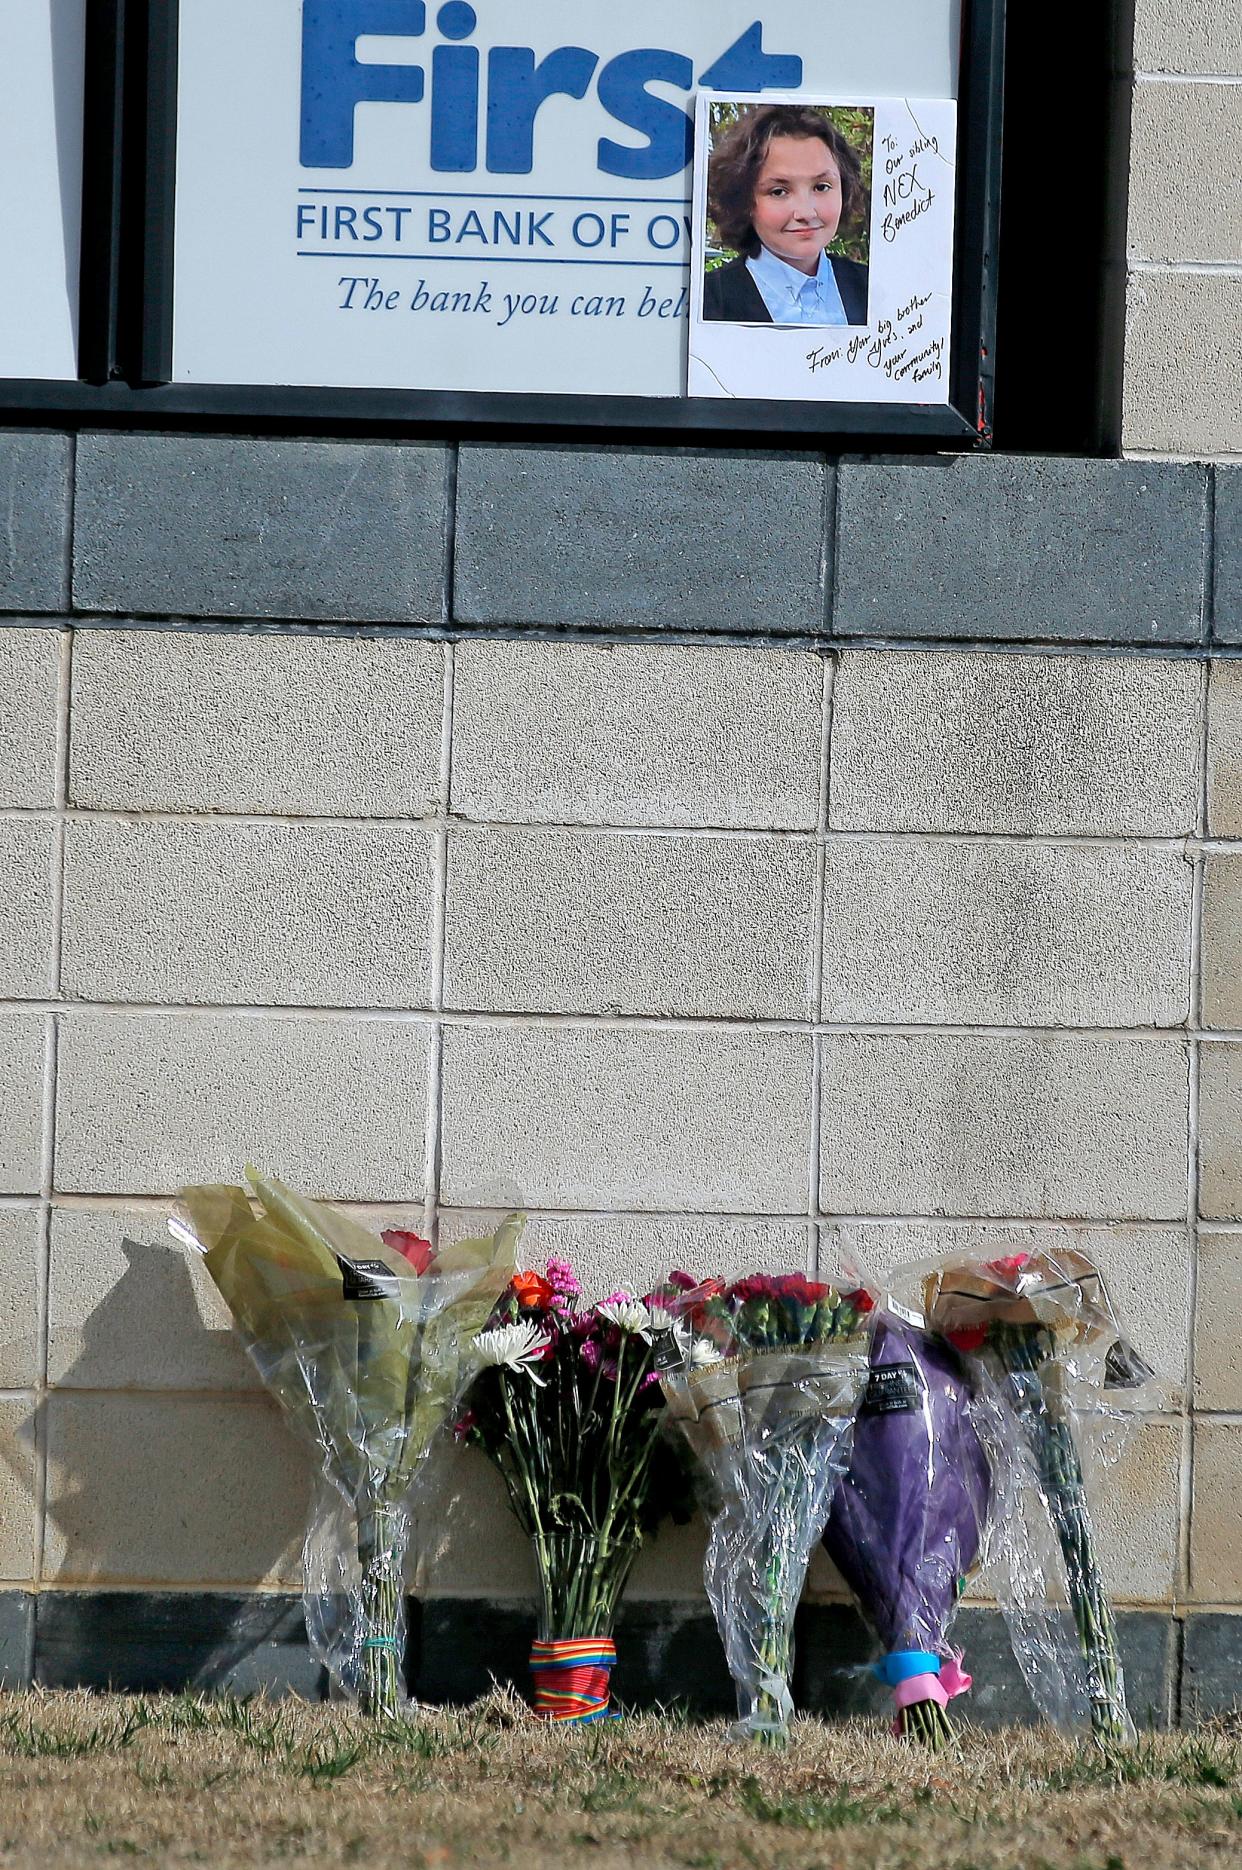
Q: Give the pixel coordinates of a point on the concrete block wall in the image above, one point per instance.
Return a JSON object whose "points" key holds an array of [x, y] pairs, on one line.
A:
{"points": [[1183, 365], [715, 953]]}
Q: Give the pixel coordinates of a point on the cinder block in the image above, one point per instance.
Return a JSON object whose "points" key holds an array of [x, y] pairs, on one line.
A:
{"points": [[1224, 750], [1147, 1271], [639, 734], [19, 1298], [1220, 1132], [1183, 368], [706, 1122], [149, 1102], [1179, 209], [1222, 942], [21, 1073], [221, 526], [1187, 36], [1218, 1307], [1215, 1549], [29, 688], [983, 1126], [173, 1490], [27, 858], [17, 1490], [173, 720], [665, 539], [1138, 1515], [634, 1252], [1211, 1665], [248, 914], [606, 922], [130, 1309], [1003, 546], [1005, 934], [34, 540], [1014, 743], [1228, 537]]}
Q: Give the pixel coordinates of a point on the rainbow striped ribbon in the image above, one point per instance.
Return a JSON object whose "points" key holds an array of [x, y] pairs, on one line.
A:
{"points": [[571, 1677]]}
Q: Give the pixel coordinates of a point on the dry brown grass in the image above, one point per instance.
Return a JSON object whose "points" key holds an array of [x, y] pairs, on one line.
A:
{"points": [[223, 1782]]}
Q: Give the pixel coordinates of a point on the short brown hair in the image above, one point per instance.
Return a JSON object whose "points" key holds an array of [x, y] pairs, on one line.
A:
{"points": [[739, 156]]}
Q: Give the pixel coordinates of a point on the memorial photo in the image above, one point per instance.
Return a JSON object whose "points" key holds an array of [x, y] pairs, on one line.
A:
{"points": [[788, 206]]}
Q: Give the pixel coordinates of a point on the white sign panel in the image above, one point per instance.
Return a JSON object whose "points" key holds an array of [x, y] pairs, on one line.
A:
{"points": [[41, 64], [486, 195], [782, 184]]}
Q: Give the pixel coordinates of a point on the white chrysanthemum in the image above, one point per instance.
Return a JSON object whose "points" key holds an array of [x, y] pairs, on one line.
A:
{"points": [[703, 1352], [628, 1315], [515, 1347], [658, 1319]]}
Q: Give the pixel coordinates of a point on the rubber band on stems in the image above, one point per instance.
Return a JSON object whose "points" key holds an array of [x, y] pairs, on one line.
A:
{"points": [[571, 1678]]}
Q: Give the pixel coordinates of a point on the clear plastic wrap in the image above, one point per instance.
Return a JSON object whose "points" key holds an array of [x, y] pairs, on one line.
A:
{"points": [[365, 1343], [910, 1514], [763, 1379], [1063, 1384]]}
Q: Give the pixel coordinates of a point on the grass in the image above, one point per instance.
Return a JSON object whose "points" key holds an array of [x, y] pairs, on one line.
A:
{"points": [[232, 1783]]}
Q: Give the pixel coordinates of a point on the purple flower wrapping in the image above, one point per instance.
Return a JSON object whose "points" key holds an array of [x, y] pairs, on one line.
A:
{"points": [[908, 1517]]}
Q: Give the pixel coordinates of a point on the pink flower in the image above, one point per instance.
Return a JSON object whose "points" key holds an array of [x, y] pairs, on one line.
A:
{"points": [[591, 1353], [618, 1298], [564, 1280]]}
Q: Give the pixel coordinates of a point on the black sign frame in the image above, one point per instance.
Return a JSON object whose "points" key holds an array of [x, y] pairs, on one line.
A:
{"points": [[127, 290]]}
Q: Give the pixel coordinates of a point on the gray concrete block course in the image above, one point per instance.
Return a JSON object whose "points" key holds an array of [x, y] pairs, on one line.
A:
{"points": [[982, 1125], [294, 725], [27, 865], [16, 1621], [1178, 208], [606, 922], [995, 933], [1211, 1666], [148, 1102], [128, 1310], [939, 741], [248, 914], [637, 734], [29, 698], [1020, 548], [216, 526], [1183, 367], [1220, 1131], [35, 503], [1224, 750], [649, 1119], [1228, 535], [20, 1255], [654, 539], [22, 1043]]}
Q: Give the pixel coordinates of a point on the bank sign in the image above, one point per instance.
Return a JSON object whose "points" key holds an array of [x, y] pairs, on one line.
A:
{"points": [[491, 195]]}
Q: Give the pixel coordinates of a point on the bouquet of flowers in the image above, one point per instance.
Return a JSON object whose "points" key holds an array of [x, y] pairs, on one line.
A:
{"points": [[909, 1517], [364, 1342], [763, 1378], [1041, 1327], [566, 1403]]}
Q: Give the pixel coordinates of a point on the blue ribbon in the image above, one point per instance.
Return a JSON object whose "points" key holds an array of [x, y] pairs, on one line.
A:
{"points": [[903, 1663]]}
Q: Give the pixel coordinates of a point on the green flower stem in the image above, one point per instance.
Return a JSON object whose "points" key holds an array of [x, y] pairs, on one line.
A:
{"points": [[381, 1555], [1025, 1353], [929, 1724]]}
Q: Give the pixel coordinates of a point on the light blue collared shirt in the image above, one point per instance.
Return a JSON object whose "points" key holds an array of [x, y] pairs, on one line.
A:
{"points": [[792, 297]]}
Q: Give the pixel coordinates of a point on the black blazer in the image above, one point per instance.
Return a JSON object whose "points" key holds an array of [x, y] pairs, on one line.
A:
{"points": [[730, 293]]}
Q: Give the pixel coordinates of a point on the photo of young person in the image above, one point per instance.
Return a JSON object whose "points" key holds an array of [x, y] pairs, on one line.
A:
{"points": [[785, 184]]}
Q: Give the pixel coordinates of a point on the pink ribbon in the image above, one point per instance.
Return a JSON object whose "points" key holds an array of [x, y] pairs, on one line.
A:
{"points": [[952, 1680]]}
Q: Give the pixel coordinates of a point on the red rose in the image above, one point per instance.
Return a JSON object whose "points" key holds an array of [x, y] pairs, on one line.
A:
{"points": [[411, 1247], [969, 1337], [1007, 1268]]}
